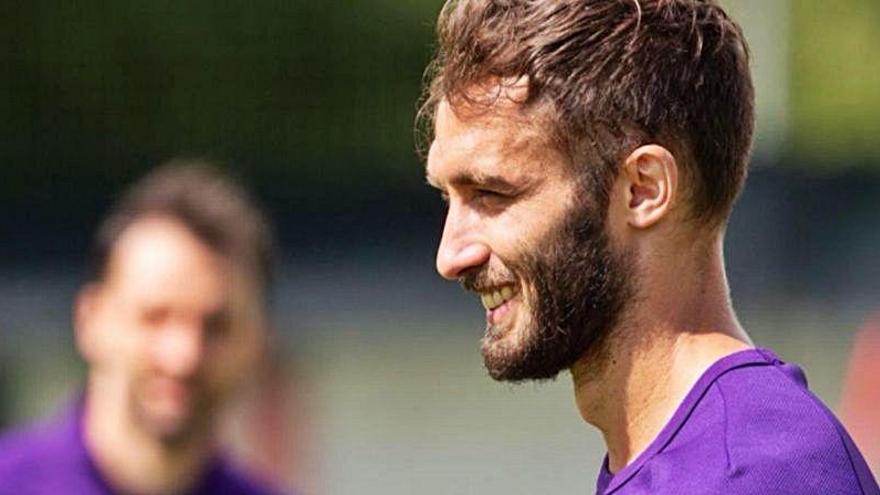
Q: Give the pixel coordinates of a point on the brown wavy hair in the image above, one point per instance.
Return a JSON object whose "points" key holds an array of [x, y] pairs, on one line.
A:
{"points": [[608, 76]]}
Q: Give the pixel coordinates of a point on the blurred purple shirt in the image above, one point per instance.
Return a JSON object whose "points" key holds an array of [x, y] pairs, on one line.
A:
{"points": [[52, 459], [748, 426]]}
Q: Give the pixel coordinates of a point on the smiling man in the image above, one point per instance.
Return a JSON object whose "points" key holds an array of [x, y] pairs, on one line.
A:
{"points": [[171, 323], [590, 152]]}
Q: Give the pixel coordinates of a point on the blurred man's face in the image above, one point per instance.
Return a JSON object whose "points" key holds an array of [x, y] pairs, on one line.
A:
{"points": [[171, 330], [520, 233]]}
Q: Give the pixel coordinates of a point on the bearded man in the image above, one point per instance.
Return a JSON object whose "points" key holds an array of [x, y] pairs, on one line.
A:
{"points": [[171, 323], [590, 152]]}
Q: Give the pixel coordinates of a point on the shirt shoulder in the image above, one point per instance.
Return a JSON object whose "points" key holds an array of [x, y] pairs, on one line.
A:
{"points": [[749, 426], [778, 435], [40, 458], [25, 445], [224, 478]]}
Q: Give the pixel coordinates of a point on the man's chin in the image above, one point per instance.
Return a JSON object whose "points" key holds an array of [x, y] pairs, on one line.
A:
{"points": [[521, 353], [520, 371], [499, 347], [508, 358], [496, 335], [168, 426]]}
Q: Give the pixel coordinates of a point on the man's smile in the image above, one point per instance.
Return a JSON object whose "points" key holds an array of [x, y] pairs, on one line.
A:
{"points": [[497, 296], [498, 302]]}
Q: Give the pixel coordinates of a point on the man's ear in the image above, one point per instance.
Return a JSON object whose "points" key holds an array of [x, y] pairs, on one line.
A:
{"points": [[650, 175], [85, 314]]}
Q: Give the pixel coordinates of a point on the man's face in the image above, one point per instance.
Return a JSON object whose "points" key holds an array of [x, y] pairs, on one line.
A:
{"points": [[524, 233], [170, 331]]}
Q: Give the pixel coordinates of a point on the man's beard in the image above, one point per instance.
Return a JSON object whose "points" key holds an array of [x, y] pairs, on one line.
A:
{"points": [[579, 288]]}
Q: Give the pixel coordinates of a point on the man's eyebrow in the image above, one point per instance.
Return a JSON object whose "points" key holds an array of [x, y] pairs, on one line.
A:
{"points": [[466, 179], [486, 181]]}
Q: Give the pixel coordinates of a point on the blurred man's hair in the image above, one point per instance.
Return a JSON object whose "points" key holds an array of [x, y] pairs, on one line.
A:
{"points": [[213, 207], [605, 76]]}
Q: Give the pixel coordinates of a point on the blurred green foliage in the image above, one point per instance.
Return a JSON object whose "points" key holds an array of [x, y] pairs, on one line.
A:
{"points": [[299, 90], [835, 81], [303, 95]]}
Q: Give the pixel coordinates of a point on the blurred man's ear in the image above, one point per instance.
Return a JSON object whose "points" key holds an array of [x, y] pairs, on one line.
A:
{"points": [[84, 314]]}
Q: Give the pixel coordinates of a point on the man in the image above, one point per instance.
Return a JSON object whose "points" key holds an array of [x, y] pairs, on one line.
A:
{"points": [[590, 152], [171, 322]]}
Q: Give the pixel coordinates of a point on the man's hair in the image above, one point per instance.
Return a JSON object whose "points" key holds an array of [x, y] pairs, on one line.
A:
{"points": [[214, 208], [608, 76]]}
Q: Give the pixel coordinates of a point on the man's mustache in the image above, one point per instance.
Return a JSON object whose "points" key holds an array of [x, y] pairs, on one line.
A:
{"points": [[484, 278]]}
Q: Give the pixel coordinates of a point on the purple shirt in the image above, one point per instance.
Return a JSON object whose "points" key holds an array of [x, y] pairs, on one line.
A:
{"points": [[51, 459], [748, 426]]}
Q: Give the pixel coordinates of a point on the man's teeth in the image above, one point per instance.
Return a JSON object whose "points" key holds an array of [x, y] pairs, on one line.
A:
{"points": [[492, 300]]}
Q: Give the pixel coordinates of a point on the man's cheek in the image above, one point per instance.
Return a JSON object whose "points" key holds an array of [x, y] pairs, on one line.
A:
{"points": [[223, 378]]}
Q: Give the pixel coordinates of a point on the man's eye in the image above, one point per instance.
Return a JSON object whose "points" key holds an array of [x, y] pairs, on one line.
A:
{"points": [[488, 195], [155, 317]]}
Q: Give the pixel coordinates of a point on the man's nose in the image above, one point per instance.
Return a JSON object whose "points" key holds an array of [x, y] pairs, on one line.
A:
{"points": [[460, 248], [180, 349]]}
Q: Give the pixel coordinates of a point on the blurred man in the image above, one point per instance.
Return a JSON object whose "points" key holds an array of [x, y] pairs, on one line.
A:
{"points": [[590, 152], [170, 323]]}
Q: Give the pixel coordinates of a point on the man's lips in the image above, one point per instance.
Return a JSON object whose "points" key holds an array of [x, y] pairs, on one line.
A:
{"points": [[495, 317]]}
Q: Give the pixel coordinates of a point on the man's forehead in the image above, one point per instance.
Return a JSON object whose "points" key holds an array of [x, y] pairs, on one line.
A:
{"points": [[485, 111], [482, 141], [158, 252]]}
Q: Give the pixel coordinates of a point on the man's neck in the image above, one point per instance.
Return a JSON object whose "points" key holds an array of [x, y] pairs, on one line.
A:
{"points": [[664, 342], [130, 459]]}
